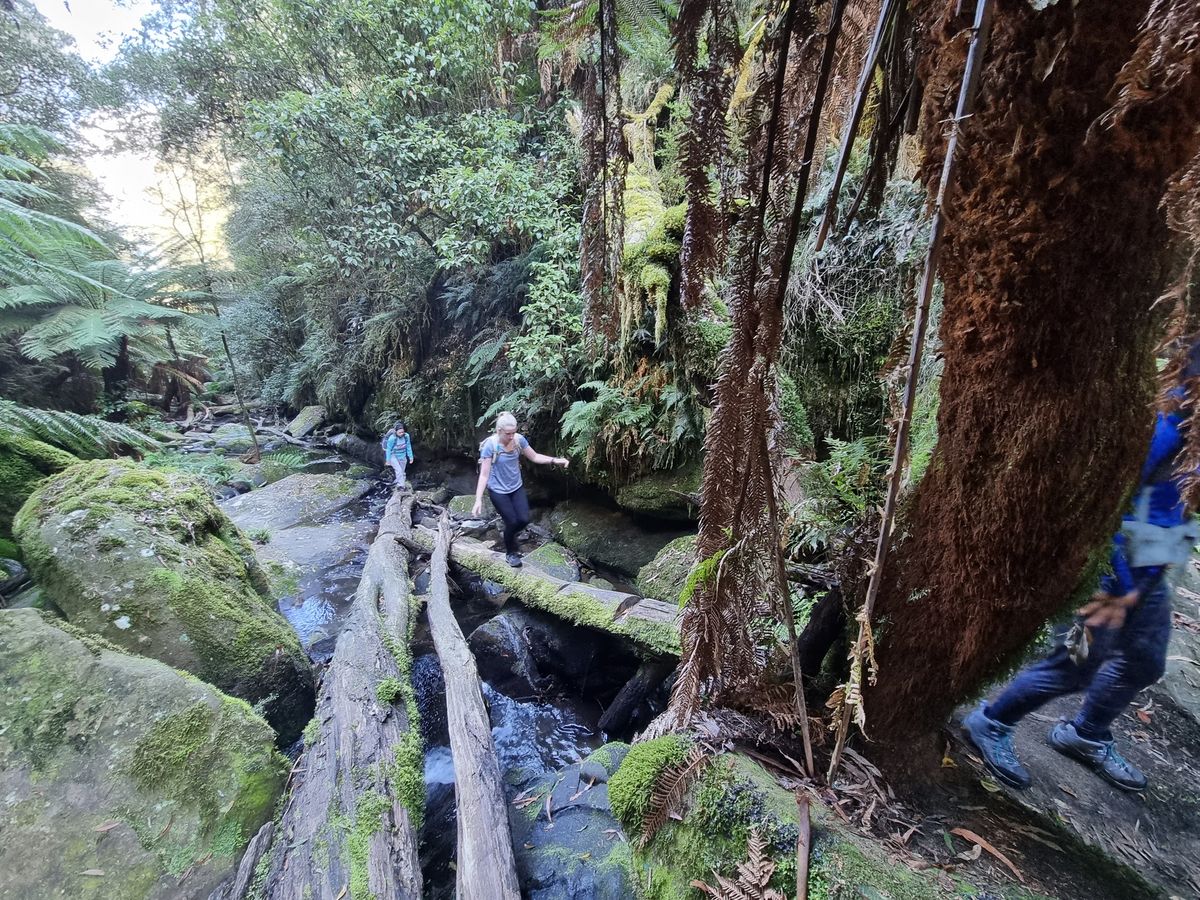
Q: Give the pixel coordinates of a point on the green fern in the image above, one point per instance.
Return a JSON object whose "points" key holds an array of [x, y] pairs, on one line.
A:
{"points": [[88, 437]]}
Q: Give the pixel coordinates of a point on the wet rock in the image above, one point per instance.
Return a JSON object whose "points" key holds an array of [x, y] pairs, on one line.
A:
{"points": [[13, 576], [121, 777], [293, 500], [307, 549], [306, 421], [555, 560], [577, 853], [607, 536], [145, 559], [429, 687], [673, 496], [603, 762], [223, 491], [664, 577]]}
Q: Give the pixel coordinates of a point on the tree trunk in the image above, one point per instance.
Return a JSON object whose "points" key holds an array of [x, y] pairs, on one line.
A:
{"points": [[346, 830], [486, 868], [1055, 250]]}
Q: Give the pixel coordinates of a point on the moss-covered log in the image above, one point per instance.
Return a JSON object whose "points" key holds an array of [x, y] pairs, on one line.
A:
{"points": [[351, 823], [653, 626]]}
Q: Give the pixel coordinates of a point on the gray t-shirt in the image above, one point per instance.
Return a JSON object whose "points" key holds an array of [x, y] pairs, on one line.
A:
{"points": [[505, 476]]}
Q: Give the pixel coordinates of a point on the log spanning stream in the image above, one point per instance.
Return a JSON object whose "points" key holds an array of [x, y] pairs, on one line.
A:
{"points": [[404, 783]]}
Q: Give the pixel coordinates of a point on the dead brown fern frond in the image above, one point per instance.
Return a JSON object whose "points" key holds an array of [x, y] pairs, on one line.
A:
{"points": [[671, 789], [753, 876]]}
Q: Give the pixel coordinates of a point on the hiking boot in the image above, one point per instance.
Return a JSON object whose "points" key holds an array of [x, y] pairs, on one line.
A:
{"points": [[513, 559], [1099, 756], [994, 742]]}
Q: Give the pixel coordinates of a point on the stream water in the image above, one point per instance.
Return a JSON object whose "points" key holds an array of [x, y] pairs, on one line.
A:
{"points": [[533, 736]]}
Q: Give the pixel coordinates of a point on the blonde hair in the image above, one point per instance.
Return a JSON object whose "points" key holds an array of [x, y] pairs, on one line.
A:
{"points": [[505, 420]]}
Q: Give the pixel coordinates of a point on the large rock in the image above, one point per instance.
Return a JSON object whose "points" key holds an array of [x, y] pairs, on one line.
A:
{"points": [[555, 560], [145, 559], [522, 652], [369, 452], [306, 421], [607, 536], [461, 506], [664, 577], [298, 498], [121, 778], [673, 496], [233, 438], [578, 851], [23, 463]]}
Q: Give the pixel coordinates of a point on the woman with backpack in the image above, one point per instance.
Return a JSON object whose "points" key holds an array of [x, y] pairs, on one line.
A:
{"points": [[397, 451], [500, 472]]}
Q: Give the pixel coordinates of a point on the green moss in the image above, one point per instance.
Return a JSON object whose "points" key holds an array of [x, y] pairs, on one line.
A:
{"points": [[661, 493], [24, 462], [407, 774], [207, 758], [389, 691], [664, 576], [735, 795], [630, 787], [369, 813], [798, 436], [577, 607], [9, 550], [312, 732]]}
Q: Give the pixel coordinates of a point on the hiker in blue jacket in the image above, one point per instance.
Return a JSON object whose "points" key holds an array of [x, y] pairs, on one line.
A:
{"points": [[1120, 645], [397, 451]]}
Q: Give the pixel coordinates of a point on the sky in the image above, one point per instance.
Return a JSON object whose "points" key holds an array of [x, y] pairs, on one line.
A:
{"points": [[127, 178]]}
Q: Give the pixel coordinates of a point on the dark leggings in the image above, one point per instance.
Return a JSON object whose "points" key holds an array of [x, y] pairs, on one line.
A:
{"points": [[1121, 663], [514, 510]]}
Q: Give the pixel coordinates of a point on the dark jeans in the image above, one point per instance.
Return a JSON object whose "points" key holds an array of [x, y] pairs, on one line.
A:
{"points": [[514, 510], [1122, 662]]}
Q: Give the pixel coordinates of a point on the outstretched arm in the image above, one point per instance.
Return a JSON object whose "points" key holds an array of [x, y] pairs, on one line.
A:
{"points": [[485, 469], [542, 460]]}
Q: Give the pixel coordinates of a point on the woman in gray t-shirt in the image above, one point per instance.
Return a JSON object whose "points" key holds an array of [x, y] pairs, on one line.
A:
{"points": [[500, 472]]}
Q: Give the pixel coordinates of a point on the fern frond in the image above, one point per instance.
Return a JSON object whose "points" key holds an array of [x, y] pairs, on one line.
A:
{"points": [[88, 437], [671, 789]]}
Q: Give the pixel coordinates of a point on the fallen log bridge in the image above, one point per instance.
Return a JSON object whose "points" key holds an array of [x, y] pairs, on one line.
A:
{"points": [[349, 829], [486, 868], [652, 625]]}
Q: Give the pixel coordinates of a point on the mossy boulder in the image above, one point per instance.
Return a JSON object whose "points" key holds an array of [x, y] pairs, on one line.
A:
{"points": [[306, 421], [122, 778], [607, 536], [555, 560], [733, 795], [664, 495], [23, 463], [233, 438], [664, 577], [461, 506], [145, 559]]}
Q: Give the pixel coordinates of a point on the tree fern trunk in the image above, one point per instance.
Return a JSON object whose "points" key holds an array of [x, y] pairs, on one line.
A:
{"points": [[1055, 250]]}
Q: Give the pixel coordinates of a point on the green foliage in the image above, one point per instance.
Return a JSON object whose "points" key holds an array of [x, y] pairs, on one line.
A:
{"points": [[212, 467], [840, 490], [631, 787], [88, 437], [281, 463]]}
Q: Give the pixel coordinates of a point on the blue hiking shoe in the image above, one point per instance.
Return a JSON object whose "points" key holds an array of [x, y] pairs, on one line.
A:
{"points": [[994, 742], [1099, 756]]}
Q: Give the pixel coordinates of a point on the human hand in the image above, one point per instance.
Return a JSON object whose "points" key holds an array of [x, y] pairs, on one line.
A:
{"points": [[1108, 610], [565, 462], [477, 509]]}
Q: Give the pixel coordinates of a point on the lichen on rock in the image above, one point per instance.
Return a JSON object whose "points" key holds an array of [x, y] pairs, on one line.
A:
{"points": [[119, 765], [146, 560]]}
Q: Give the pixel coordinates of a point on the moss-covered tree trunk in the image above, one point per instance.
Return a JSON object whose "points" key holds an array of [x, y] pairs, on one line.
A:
{"points": [[1055, 252]]}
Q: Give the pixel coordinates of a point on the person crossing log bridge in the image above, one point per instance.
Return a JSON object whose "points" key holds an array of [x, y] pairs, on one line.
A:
{"points": [[486, 869]]}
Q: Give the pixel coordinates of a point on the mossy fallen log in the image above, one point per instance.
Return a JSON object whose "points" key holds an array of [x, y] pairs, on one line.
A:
{"points": [[486, 869], [653, 626], [350, 827]]}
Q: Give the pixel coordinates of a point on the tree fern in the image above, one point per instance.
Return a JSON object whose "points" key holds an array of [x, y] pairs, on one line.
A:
{"points": [[89, 437]]}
